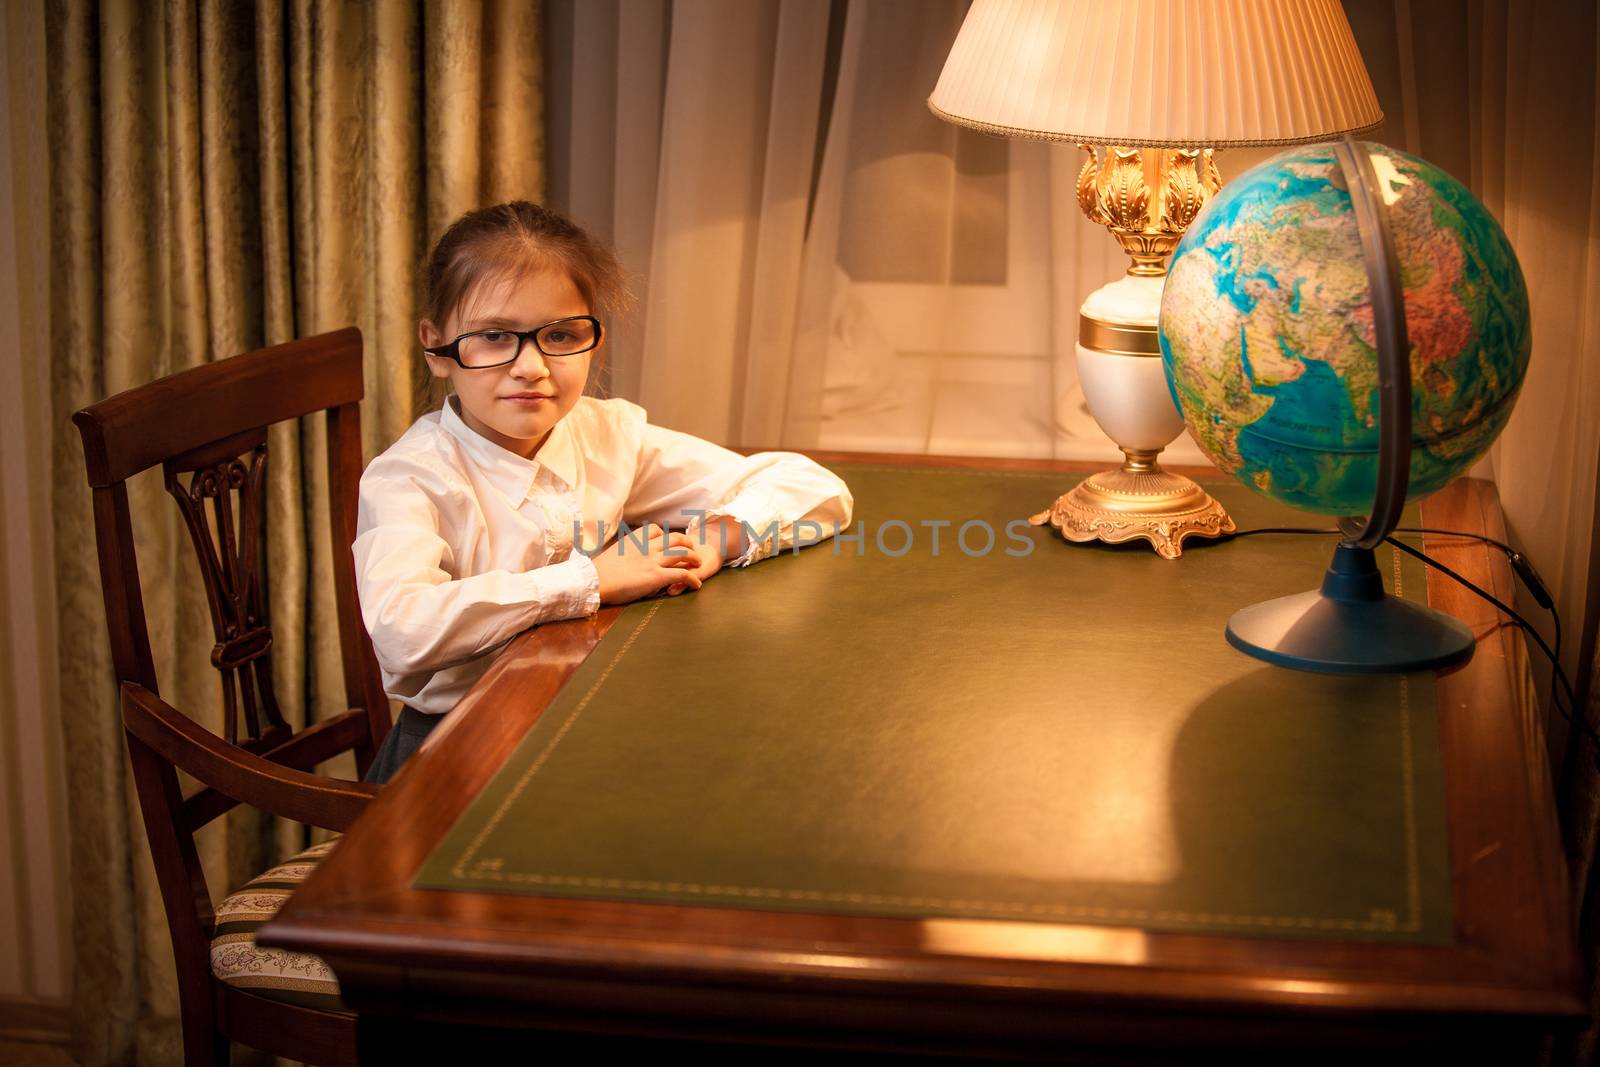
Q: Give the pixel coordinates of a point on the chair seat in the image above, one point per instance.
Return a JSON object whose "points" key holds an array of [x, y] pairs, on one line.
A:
{"points": [[292, 977]]}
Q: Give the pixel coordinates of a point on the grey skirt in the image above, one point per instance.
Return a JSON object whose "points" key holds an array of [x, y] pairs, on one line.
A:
{"points": [[404, 737]]}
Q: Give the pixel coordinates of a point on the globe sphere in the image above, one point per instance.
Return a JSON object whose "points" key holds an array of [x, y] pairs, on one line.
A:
{"points": [[1267, 338]]}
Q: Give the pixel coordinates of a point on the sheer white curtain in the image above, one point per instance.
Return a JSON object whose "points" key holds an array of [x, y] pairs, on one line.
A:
{"points": [[688, 136], [822, 262]]}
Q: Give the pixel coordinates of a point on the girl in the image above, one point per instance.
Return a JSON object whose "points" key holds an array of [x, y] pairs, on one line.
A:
{"points": [[488, 515]]}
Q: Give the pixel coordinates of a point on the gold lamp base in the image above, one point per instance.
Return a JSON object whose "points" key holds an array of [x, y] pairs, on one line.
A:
{"points": [[1138, 499]]}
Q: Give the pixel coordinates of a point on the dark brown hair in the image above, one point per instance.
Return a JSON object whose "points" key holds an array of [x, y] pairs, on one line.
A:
{"points": [[509, 238]]}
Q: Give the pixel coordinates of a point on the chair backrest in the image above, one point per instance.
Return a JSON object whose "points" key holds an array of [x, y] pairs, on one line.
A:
{"points": [[207, 428], [210, 423]]}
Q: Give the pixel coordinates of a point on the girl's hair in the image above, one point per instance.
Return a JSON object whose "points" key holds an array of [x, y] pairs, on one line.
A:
{"points": [[506, 239]]}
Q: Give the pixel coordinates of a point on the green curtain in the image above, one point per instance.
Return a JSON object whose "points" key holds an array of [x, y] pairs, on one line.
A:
{"points": [[225, 176]]}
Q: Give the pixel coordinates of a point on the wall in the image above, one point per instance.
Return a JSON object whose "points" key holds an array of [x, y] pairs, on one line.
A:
{"points": [[35, 905]]}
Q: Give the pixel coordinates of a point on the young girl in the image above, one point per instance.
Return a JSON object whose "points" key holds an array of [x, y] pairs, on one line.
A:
{"points": [[466, 530]]}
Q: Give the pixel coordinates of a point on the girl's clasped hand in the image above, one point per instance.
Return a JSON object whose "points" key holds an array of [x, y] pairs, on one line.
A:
{"points": [[666, 561], [649, 560]]}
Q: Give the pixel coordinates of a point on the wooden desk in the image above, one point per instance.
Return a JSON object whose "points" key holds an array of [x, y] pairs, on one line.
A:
{"points": [[464, 970]]}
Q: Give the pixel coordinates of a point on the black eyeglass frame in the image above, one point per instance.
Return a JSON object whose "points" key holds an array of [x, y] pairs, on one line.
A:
{"points": [[452, 350]]}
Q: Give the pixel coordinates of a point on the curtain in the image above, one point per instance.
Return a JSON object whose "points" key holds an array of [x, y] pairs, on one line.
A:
{"points": [[32, 815], [820, 261], [225, 176], [824, 264]]}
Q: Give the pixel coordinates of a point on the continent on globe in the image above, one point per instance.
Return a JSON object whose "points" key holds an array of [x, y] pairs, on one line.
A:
{"points": [[1267, 335]]}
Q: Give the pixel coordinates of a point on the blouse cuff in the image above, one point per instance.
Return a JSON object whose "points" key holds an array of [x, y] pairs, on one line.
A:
{"points": [[765, 531], [571, 588]]}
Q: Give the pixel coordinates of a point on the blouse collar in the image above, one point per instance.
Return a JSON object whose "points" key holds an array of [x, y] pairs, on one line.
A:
{"points": [[512, 475]]}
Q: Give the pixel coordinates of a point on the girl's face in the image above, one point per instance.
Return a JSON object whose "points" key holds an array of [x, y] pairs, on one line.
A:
{"points": [[514, 405]]}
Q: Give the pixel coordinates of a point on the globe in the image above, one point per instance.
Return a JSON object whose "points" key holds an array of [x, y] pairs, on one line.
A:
{"points": [[1267, 337]]}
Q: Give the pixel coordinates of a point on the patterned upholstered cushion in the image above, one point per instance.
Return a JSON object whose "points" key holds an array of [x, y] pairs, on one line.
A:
{"points": [[296, 977]]}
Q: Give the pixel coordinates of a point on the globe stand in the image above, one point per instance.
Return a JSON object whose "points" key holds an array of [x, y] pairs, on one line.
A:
{"points": [[1350, 626]]}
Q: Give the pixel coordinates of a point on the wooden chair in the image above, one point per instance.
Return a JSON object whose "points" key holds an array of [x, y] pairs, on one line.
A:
{"points": [[207, 428]]}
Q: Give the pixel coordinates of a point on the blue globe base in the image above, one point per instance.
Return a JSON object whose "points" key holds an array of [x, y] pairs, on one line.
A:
{"points": [[1350, 626]]}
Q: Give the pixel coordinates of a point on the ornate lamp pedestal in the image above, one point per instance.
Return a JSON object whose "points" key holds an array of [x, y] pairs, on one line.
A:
{"points": [[1119, 358], [1119, 366]]}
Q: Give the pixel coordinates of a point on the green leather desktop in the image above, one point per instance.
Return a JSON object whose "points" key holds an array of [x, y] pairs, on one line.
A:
{"points": [[1037, 731]]}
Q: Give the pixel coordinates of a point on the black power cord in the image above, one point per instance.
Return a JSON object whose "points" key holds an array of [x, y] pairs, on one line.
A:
{"points": [[1278, 530], [1560, 675], [1535, 586]]}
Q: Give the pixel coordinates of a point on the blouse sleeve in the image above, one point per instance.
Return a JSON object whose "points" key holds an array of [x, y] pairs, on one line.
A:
{"points": [[422, 618], [780, 497]]}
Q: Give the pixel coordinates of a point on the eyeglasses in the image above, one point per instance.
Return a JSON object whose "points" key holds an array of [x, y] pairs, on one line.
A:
{"points": [[481, 349]]}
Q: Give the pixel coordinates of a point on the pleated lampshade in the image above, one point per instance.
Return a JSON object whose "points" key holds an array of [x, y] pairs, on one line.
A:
{"points": [[1172, 73]]}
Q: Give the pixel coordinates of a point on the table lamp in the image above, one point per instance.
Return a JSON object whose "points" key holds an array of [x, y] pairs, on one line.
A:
{"points": [[1149, 89]]}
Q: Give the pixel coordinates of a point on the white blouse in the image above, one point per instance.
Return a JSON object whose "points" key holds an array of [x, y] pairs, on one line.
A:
{"points": [[460, 544]]}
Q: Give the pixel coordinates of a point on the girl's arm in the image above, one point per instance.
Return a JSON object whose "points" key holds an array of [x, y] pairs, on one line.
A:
{"points": [[681, 477], [420, 617]]}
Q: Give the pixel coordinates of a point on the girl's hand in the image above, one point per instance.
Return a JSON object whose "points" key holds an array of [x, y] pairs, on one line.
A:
{"points": [[628, 571], [711, 542], [710, 563]]}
